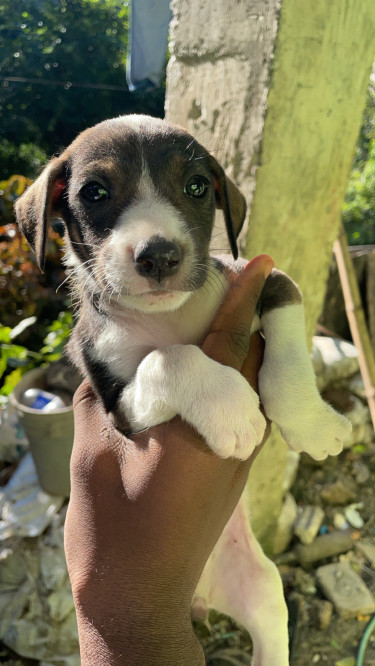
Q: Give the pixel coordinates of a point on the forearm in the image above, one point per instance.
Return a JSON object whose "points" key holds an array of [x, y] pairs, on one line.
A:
{"points": [[119, 633]]}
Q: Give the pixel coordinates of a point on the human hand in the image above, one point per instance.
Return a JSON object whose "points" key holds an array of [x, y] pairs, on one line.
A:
{"points": [[145, 513]]}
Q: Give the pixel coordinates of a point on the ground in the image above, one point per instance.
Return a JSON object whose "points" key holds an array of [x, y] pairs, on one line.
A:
{"points": [[318, 635], [315, 639]]}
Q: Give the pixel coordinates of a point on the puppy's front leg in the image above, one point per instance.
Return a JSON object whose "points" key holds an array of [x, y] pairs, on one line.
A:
{"points": [[287, 382], [215, 399]]}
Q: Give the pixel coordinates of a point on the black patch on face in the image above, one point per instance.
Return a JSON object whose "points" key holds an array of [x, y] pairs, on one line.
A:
{"points": [[110, 157], [113, 154]]}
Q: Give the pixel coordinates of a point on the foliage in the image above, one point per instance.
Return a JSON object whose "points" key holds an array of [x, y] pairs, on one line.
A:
{"points": [[10, 190], [359, 205], [64, 46], [26, 158], [28, 300], [16, 359], [24, 290]]}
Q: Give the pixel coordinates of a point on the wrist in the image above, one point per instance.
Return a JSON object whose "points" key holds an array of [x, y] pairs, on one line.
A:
{"points": [[109, 636]]}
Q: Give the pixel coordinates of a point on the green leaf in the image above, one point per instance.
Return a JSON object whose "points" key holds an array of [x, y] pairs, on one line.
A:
{"points": [[11, 381], [5, 332]]}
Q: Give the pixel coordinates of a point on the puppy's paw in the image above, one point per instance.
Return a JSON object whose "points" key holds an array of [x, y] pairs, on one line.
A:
{"points": [[323, 433], [229, 418]]}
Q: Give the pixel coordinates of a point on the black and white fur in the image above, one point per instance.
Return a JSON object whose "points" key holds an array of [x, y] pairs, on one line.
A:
{"points": [[138, 199]]}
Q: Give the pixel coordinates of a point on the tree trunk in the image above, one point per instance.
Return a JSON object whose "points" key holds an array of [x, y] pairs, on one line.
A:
{"points": [[223, 61]]}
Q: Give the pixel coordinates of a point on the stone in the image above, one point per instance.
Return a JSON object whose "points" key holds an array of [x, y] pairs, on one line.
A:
{"points": [[356, 386], [304, 582], [367, 549], [324, 546], [358, 413], [340, 359], [284, 527], [362, 433], [361, 471], [309, 520], [321, 613], [353, 517], [345, 589], [340, 522], [337, 493]]}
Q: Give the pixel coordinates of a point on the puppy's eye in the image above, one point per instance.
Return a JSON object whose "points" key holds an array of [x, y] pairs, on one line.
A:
{"points": [[94, 192], [196, 187]]}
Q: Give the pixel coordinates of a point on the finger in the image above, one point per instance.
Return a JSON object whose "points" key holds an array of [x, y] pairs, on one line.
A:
{"points": [[253, 361], [228, 339]]}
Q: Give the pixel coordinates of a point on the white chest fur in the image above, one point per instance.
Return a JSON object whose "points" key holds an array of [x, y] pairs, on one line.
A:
{"points": [[128, 336]]}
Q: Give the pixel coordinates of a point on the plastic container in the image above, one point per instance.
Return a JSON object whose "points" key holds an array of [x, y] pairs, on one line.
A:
{"points": [[50, 434]]}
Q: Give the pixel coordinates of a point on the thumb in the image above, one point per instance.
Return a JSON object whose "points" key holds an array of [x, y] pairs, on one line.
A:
{"points": [[229, 336]]}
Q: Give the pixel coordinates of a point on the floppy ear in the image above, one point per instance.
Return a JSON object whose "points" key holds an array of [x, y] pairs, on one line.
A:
{"points": [[41, 202], [231, 201]]}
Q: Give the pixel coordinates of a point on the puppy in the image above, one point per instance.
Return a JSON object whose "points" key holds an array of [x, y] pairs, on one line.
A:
{"points": [[138, 199]]}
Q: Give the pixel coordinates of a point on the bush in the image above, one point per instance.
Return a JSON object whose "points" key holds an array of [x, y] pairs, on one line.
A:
{"points": [[359, 205], [26, 158], [16, 359]]}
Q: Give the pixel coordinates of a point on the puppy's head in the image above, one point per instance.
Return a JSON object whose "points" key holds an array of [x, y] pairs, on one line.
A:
{"points": [[138, 199]]}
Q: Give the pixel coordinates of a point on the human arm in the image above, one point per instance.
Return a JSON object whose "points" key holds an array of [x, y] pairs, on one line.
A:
{"points": [[145, 513]]}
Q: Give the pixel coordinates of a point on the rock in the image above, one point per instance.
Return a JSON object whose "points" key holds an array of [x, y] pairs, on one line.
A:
{"points": [[309, 520], [340, 359], [285, 522], [358, 413], [321, 613], [353, 516], [304, 582], [324, 546], [367, 549], [337, 493], [356, 386], [345, 589], [362, 433], [341, 399], [340, 522], [361, 471]]}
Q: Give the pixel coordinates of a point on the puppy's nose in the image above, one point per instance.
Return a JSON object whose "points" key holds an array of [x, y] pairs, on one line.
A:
{"points": [[157, 259]]}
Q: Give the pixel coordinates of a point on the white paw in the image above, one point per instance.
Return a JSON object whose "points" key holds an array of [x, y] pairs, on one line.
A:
{"points": [[229, 418], [322, 432]]}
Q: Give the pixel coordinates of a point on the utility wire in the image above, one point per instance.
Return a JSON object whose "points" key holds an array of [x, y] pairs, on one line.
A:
{"points": [[65, 84]]}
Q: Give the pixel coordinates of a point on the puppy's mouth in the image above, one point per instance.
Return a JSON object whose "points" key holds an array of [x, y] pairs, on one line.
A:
{"points": [[159, 300]]}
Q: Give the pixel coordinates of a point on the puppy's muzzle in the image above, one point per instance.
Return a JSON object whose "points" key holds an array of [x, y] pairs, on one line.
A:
{"points": [[157, 259]]}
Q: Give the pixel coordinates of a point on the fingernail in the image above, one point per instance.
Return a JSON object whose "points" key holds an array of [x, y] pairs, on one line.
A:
{"points": [[268, 268], [263, 262]]}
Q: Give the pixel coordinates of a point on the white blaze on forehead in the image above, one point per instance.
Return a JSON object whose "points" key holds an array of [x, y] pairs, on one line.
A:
{"points": [[149, 215]]}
